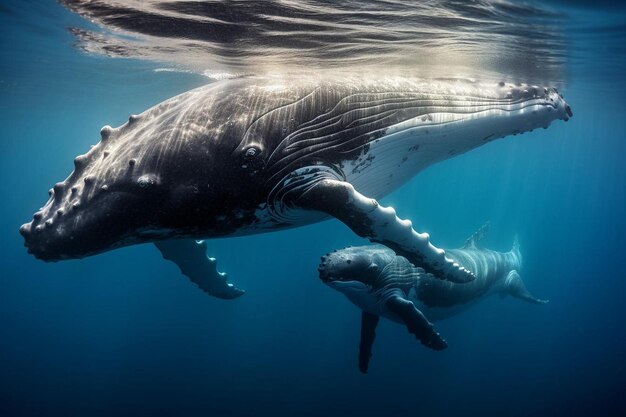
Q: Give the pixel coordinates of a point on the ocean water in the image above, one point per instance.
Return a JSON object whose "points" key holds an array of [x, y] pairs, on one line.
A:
{"points": [[123, 333]]}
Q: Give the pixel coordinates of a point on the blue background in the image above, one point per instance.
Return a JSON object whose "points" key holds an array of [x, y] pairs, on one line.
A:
{"points": [[123, 332]]}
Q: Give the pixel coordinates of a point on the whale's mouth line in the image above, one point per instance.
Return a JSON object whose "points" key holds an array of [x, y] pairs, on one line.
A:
{"points": [[354, 285], [60, 220], [328, 272], [61, 255], [329, 278]]}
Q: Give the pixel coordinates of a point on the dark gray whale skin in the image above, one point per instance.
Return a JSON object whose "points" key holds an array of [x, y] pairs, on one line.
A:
{"points": [[385, 285], [253, 155]]}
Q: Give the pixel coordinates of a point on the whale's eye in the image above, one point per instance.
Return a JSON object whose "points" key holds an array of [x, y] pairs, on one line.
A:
{"points": [[252, 161], [147, 181], [251, 152]]}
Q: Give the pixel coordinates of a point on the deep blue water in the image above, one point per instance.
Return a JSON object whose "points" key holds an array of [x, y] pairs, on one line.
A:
{"points": [[123, 333]]}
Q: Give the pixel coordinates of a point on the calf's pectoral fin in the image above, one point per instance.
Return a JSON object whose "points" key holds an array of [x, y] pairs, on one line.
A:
{"points": [[416, 322], [368, 334], [190, 256], [515, 286], [380, 224]]}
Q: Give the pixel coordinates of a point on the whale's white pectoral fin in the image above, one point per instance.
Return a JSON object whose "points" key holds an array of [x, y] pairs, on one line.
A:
{"points": [[380, 224], [190, 256], [516, 288]]}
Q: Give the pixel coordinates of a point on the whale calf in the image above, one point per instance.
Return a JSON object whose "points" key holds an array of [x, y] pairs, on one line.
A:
{"points": [[383, 284], [252, 155]]}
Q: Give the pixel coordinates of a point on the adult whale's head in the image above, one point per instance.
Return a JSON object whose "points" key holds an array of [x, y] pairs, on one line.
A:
{"points": [[166, 172], [205, 162]]}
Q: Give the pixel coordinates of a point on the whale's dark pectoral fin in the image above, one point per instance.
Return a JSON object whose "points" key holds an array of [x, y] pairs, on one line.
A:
{"points": [[380, 224], [515, 286], [417, 323], [368, 334], [190, 256]]}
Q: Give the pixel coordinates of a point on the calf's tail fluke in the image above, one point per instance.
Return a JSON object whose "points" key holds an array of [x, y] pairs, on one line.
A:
{"points": [[515, 286]]}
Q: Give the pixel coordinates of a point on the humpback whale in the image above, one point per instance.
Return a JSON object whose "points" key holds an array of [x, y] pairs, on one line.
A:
{"points": [[383, 284], [252, 154]]}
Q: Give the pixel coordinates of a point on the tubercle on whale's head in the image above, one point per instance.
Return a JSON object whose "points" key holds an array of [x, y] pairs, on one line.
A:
{"points": [[351, 266], [166, 173], [555, 101], [117, 195], [486, 112], [86, 215], [533, 106]]}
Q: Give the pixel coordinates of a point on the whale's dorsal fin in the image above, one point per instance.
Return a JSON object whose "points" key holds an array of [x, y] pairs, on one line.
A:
{"points": [[472, 241], [515, 246]]}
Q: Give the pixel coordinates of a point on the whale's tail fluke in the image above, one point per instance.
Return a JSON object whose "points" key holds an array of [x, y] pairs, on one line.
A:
{"points": [[516, 288]]}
